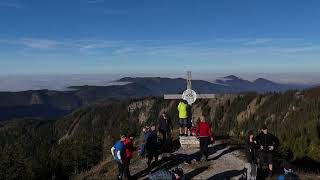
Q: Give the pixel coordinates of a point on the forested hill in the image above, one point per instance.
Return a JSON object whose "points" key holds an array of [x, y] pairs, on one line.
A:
{"points": [[55, 104], [78, 142]]}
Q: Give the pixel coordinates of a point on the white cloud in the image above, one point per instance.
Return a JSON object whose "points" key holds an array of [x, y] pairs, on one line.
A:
{"points": [[95, 1], [33, 43], [148, 49], [39, 43], [10, 4], [258, 41]]}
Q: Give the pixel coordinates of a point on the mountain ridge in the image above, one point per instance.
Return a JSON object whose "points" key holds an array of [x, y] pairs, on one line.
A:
{"points": [[85, 136], [58, 103]]}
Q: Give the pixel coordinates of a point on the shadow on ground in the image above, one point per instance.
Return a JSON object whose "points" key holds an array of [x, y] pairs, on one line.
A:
{"points": [[195, 172], [226, 175], [177, 159]]}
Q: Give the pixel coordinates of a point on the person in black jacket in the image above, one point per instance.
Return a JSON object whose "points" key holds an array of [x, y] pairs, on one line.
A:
{"points": [[152, 146], [267, 143], [165, 126], [251, 145]]}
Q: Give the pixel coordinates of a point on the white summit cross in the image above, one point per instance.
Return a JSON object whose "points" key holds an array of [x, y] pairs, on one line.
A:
{"points": [[189, 95]]}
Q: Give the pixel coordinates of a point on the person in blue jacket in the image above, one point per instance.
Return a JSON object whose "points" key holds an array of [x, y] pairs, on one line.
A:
{"points": [[118, 152]]}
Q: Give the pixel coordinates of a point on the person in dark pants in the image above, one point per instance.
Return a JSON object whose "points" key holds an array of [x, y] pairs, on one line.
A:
{"points": [[129, 152], [267, 142], [204, 133], [152, 146], [183, 115], [118, 151], [165, 126], [189, 120], [251, 145]]}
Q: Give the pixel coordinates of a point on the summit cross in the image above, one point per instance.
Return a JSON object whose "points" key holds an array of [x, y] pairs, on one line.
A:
{"points": [[189, 95]]}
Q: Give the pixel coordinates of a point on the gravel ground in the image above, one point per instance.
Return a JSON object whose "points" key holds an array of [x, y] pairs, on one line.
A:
{"points": [[225, 162]]}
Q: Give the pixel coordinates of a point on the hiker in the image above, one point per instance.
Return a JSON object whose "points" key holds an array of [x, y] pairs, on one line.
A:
{"points": [[183, 115], [118, 152], [204, 134], [251, 145], [143, 140], [267, 143], [165, 126], [129, 152], [288, 173], [152, 146], [189, 120], [250, 166], [176, 174]]}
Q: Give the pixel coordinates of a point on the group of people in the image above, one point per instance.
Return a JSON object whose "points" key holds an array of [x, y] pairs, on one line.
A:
{"points": [[122, 151], [260, 149], [150, 145]]}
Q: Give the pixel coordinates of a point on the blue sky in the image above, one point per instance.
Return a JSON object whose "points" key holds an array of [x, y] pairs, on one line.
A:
{"points": [[160, 37]]}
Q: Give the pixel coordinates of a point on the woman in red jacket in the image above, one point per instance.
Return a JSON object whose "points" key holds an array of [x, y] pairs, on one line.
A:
{"points": [[205, 135]]}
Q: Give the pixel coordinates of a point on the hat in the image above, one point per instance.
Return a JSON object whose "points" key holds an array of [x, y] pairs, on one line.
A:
{"points": [[264, 127]]}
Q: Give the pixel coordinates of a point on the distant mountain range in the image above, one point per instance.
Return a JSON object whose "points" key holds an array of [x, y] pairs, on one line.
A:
{"points": [[53, 104], [228, 84]]}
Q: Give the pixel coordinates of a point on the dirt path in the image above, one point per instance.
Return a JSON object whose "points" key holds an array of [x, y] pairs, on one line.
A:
{"points": [[225, 162]]}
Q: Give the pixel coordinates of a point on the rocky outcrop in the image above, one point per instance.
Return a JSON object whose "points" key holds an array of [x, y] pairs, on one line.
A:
{"points": [[252, 108], [142, 108]]}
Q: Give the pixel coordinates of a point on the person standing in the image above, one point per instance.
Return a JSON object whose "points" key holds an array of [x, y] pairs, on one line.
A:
{"points": [[204, 134], [152, 146], [267, 143], [143, 139], [118, 152], [165, 126], [189, 120], [251, 145], [129, 153], [250, 166], [183, 115]]}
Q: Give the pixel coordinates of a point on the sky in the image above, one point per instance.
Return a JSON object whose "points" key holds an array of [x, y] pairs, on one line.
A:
{"points": [[64, 37]]}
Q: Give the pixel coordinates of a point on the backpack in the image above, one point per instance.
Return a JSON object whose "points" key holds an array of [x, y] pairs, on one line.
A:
{"points": [[161, 174], [291, 176], [288, 176]]}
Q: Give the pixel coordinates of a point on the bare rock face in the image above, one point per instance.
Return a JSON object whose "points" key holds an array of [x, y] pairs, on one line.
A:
{"points": [[196, 113], [166, 109], [143, 107], [251, 109]]}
